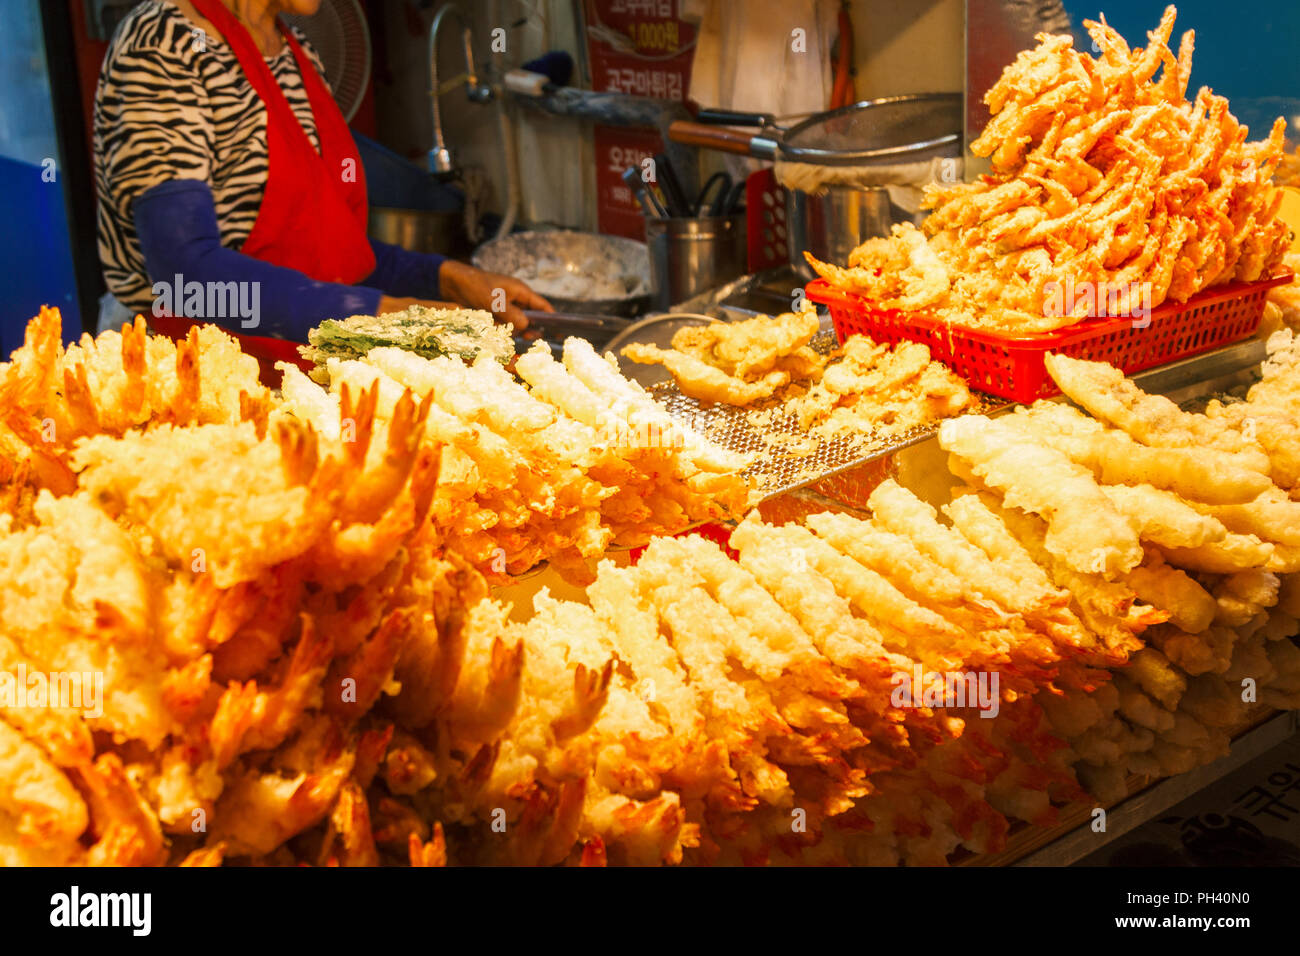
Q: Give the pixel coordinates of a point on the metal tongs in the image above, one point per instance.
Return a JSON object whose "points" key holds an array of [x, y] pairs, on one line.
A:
{"points": [[573, 323]]}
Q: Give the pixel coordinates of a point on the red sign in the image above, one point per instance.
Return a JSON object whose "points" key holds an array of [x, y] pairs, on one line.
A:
{"points": [[650, 57], [617, 148]]}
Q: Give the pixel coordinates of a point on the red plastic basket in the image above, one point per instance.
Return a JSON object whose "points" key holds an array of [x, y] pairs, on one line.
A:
{"points": [[1012, 365], [767, 232]]}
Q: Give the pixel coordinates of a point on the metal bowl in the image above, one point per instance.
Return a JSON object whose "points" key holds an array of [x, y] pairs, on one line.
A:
{"points": [[576, 271]]}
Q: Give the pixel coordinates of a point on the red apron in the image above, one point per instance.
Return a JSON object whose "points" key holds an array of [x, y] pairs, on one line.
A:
{"points": [[313, 213]]}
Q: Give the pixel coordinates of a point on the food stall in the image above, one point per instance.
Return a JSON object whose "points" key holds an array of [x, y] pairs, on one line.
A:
{"points": [[931, 498]]}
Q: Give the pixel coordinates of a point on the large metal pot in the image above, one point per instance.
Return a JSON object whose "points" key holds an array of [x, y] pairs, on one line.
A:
{"points": [[419, 230], [833, 223]]}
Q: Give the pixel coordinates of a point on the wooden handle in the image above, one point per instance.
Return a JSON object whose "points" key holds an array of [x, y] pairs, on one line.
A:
{"points": [[711, 137]]}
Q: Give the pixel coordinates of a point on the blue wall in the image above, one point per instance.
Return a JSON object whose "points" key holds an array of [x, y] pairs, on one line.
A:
{"points": [[35, 262], [1248, 50], [35, 249]]}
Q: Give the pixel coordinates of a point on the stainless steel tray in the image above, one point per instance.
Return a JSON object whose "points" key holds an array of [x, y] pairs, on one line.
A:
{"points": [[1190, 382], [779, 468]]}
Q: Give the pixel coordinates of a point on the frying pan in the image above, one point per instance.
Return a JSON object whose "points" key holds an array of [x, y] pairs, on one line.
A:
{"points": [[565, 257]]}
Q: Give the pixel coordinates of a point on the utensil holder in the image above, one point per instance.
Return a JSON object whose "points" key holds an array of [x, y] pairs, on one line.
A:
{"points": [[691, 255]]}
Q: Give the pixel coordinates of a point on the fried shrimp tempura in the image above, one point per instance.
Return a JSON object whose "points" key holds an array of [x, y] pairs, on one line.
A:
{"points": [[297, 649], [555, 467]]}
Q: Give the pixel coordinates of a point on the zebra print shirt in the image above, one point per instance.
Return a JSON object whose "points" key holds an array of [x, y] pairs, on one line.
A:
{"points": [[174, 104]]}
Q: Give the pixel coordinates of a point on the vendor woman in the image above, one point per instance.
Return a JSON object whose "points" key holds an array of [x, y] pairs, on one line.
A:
{"points": [[221, 157]]}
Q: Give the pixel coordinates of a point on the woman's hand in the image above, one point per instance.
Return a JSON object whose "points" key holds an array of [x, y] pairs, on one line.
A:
{"points": [[504, 296]]}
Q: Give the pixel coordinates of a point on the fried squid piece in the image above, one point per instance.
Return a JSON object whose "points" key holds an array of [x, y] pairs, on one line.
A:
{"points": [[1196, 474], [1236, 552], [1153, 420], [702, 381], [1106, 607], [1190, 607], [1271, 517], [1162, 518], [1084, 528]]}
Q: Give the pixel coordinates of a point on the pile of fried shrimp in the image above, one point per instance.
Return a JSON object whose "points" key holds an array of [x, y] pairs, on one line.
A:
{"points": [[299, 666], [557, 467], [1104, 177], [248, 574]]}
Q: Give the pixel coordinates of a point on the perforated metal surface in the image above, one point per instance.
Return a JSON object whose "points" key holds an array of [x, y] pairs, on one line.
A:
{"points": [[787, 457]]}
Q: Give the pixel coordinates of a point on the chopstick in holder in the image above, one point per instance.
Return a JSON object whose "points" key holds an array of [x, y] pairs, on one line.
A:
{"points": [[675, 200]]}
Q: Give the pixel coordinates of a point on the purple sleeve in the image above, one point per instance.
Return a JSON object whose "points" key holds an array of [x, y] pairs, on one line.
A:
{"points": [[177, 225], [404, 273]]}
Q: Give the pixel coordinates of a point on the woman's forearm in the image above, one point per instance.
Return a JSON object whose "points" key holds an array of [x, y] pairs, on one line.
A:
{"points": [[400, 272], [177, 225]]}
